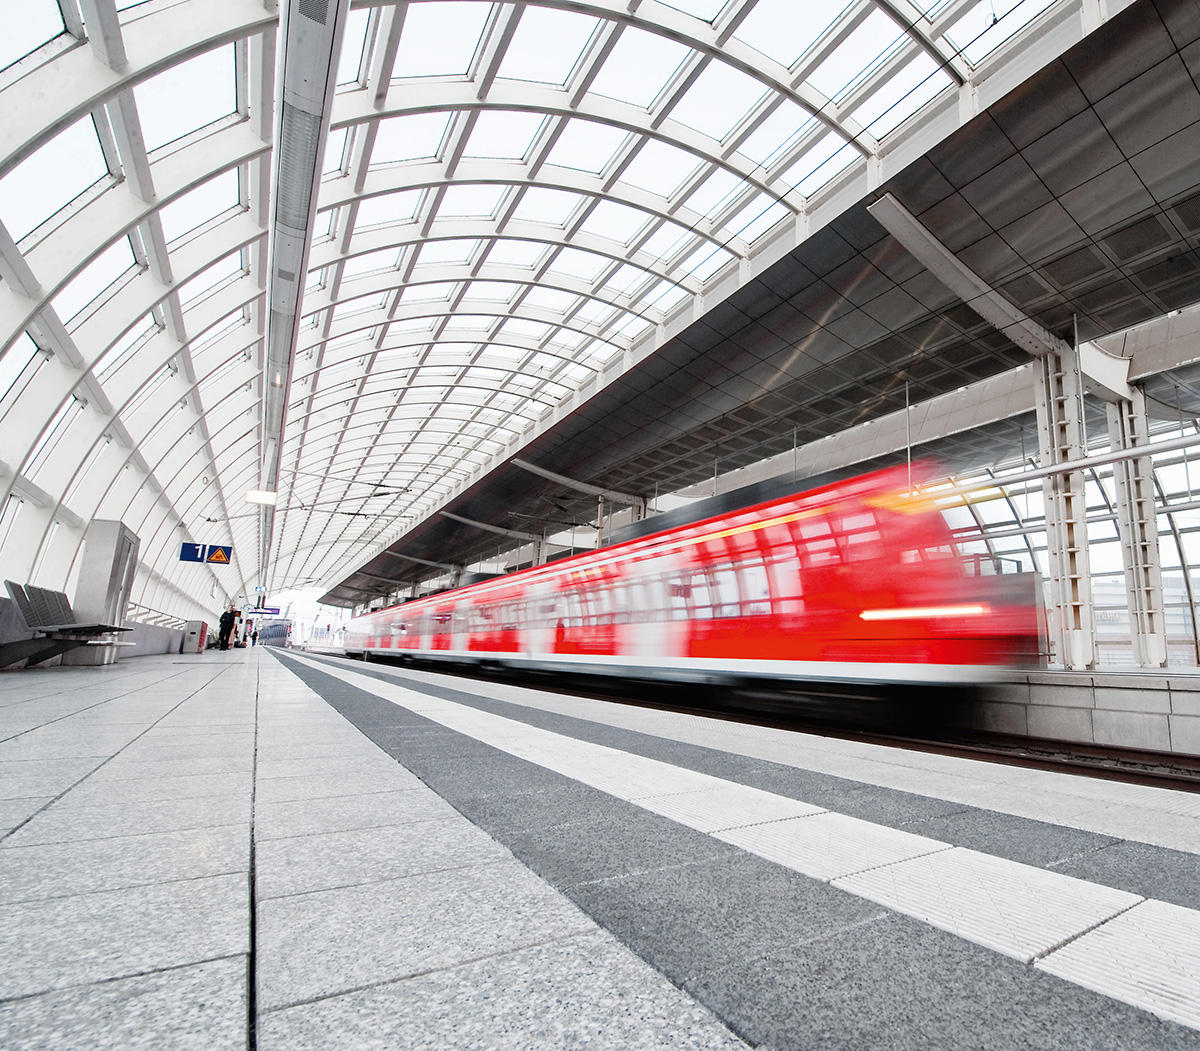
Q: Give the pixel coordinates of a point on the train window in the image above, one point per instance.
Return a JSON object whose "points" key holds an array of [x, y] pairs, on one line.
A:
{"points": [[725, 592], [755, 589], [574, 608], [679, 597]]}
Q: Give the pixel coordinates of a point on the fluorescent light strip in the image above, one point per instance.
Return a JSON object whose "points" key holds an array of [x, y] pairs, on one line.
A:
{"points": [[923, 612]]}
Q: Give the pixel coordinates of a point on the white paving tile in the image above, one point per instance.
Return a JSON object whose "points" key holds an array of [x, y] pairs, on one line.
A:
{"points": [[1016, 909], [1148, 957], [826, 846], [725, 807]]}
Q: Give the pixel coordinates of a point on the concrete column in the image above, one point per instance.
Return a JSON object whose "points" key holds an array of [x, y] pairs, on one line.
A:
{"points": [[1062, 436], [1137, 525]]}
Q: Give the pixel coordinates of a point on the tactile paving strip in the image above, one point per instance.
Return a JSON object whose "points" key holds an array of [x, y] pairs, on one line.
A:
{"points": [[826, 846], [1148, 957], [1016, 909], [726, 806]]}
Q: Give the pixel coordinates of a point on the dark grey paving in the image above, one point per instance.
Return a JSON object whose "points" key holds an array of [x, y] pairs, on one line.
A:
{"points": [[1170, 875], [898, 984], [787, 962], [1004, 835]]}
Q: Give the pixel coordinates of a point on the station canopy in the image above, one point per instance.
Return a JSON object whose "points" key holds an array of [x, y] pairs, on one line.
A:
{"points": [[514, 203]]}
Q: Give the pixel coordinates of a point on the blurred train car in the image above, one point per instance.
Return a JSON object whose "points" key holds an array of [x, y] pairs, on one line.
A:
{"points": [[851, 583]]}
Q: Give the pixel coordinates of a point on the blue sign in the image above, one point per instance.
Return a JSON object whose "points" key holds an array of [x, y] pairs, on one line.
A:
{"points": [[220, 555], [192, 553], [268, 611]]}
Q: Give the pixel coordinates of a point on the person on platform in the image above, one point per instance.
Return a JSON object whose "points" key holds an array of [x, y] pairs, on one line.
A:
{"points": [[226, 628], [254, 639]]}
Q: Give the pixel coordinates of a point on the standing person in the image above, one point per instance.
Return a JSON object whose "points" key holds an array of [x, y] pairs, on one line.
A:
{"points": [[226, 628], [254, 638]]}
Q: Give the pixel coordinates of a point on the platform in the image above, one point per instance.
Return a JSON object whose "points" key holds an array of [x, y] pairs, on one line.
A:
{"points": [[270, 849]]}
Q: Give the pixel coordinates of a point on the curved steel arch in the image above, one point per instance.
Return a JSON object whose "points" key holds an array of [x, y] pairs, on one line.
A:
{"points": [[490, 230], [705, 39], [456, 97]]}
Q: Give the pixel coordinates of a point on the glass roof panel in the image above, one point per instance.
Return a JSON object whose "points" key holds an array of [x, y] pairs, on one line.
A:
{"points": [[986, 26], [549, 298], [28, 24], [434, 291], [659, 168], [905, 93], [718, 101], [784, 29], [368, 262], [813, 158], [666, 296], [818, 177], [216, 274], [703, 9], [492, 291], [354, 41], [577, 263], [547, 45], [399, 207], [335, 149], [617, 221], [409, 137], [857, 55], [757, 217], [187, 96], [717, 190], [503, 134], [541, 205], [94, 279], [198, 206], [626, 279], [706, 261], [587, 145], [440, 39], [45, 181], [516, 253], [777, 133], [471, 199], [667, 240], [639, 67]]}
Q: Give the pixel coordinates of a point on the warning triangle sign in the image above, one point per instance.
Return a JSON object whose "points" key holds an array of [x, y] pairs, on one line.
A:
{"points": [[219, 554]]}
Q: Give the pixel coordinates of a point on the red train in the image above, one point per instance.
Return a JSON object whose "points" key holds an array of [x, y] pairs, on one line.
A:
{"points": [[850, 583]]}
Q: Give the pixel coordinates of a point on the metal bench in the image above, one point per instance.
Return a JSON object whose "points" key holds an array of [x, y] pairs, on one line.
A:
{"points": [[50, 615]]}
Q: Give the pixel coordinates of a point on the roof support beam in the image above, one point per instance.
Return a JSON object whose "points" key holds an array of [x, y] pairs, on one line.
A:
{"points": [[962, 281], [1107, 375], [516, 534], [637, 502]]}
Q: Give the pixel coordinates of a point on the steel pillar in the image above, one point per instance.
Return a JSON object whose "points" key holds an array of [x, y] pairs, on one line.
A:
{"points": [[1137, 525], [1062, 436]]}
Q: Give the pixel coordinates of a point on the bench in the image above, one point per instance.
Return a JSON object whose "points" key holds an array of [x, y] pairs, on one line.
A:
{"points": [[50, 615]]}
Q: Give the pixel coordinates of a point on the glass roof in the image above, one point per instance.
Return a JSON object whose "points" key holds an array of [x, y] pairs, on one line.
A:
{"points": [[513, 198]]}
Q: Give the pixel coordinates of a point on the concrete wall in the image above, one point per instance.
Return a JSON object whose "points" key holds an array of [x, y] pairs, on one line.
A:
{"points": [[148, 639], [1159, 713]]}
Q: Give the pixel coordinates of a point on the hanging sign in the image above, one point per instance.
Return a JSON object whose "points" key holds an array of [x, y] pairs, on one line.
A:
{"points": [[192, 553], [220, 555]]}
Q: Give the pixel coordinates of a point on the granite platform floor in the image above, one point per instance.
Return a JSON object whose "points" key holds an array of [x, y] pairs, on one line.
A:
{"points": [[262, 849]]}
